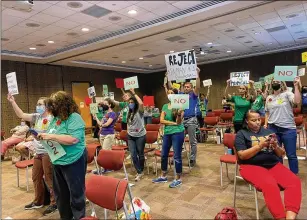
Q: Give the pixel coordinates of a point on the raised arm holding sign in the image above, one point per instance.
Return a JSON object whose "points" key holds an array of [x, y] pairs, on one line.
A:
{"points": [[12, 83], [239, 78]]}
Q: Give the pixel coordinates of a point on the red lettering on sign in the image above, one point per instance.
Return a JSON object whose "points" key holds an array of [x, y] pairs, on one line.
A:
{"points": [[285, 73], [130, 83], [180, 101]]}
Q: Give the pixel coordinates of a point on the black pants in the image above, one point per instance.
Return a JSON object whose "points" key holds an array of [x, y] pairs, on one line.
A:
{"points": [[69, 188], [124, 126], [200, 120], [237, 126]]}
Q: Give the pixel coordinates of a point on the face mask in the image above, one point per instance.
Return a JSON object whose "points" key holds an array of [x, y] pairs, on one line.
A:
{"points": [[131, 106], [40, 109], [22, 123], [105, 107], [169, 96], [275, 86], [100, 109]]}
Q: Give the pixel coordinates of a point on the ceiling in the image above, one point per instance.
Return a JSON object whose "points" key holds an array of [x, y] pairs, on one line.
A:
{"points": [[117, 40]]}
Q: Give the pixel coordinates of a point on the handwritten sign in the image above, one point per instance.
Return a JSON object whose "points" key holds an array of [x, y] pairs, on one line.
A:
{"points": [[105, 90], [258, 85], [301, 72], [269, 78], [94, 108], [131, 83], [180, 101], [304, 57], [180, 81], [12, 83], [181, 65], [285, 73], [91, 91], [149, 100], [239, 78], [119, 83], [176, 86], [193, 82], [207, 82], [111, 95], [54, 149], [99, 99]]}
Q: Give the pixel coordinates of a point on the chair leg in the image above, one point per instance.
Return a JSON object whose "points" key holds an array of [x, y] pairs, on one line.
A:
{"points": [[27, 177], [235, 186], [93, 210], [17, 177], [106, 214], [227, 170], [221, 169], [256, 202], [156, 166], [125, 211]]}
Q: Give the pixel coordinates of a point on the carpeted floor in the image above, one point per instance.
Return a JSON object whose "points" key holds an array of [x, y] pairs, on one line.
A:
{"points": [[200, 196]]}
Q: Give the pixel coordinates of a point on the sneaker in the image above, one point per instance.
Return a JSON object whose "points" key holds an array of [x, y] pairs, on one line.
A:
{"points": [[160, 180], [32, 205], [175, 184], [106, 171], [138, 177], [50, 209]]}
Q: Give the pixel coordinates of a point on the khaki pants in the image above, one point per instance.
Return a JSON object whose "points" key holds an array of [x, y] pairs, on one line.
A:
{"points": [[107, 141]]}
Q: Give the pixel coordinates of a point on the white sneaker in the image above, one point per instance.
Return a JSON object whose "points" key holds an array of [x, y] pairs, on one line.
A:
{"points": [[138, 177]]}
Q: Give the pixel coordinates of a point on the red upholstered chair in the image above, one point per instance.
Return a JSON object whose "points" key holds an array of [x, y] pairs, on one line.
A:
{"points": [[231, 111], [299, 122], [106, 192], [92, 153], [210, 114], [151, 138], [123, 136], [152, 127], [218, 112], [210, 123], [155, 120], [118, 129], [25, 164], [229, 142]]}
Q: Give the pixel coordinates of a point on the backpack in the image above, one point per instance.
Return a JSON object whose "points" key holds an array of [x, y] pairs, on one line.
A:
{"points": [[227, 213]]}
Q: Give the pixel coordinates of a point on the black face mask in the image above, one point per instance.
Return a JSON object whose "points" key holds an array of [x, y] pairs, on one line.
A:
{"points": [[275, 86], [105, 107]]}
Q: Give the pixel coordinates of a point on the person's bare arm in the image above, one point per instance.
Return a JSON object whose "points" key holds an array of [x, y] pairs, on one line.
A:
{"points": [[166, 122], [266, 90], [266, 119], [60, 138], [226, 89], [17, 110], [138, 99], [208, 93], [197, 87], [297, 92]]}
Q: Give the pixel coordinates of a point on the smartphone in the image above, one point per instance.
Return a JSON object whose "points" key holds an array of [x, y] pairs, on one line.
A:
{"points": [[32, 131]]}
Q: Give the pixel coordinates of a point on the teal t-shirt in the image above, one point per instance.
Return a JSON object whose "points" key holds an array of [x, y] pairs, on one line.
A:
{"points": [[171, 129], [241, 107], [258, 103], [75, 127]]}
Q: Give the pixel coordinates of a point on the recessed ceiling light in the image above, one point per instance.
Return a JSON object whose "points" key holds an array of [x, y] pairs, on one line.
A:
{"points": [[150, 65], [257, 33], [132, 12], [270, 43], [202, 52], [172, 51], [123, 61], [32, 48], [210, 43], [50, 42], [141, 58], [228, 51], [85, 29]]}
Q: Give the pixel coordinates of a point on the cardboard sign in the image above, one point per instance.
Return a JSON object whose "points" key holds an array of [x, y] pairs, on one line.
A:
{"points": [[239, 78], [94, 108], [99, 99], [301, 72], [207, 82], [290, 89], [91, 92], [81, 104], [111, 95], [181, 65], [119, 83], [193, 82], [149, 100], [258, 85], [180, 81], [304, 57], [176, 86], [269, 78], [105, 89], [12, 83], [131, 83], [180, 101], [285, 73], [54, 149]]}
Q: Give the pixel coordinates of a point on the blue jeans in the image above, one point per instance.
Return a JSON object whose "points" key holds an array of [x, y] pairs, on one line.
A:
{"points": [[136, 147], [288, 138], [175, 140], [147, 120]]}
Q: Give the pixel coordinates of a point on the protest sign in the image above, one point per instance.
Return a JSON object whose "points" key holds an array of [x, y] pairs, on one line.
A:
{"points": [[99, 99], [12, 83], [304, 57], [180, 101], [239, 78], [180, 81], [193, 82], [285, 73], [91, 91], [111, 95], [105, 90], [176, 86], [181, 65], [94, 108], [54, 149], [258, 85], [149, 100], [119, 83], [301, 72], [131, 83], [207, 82]]}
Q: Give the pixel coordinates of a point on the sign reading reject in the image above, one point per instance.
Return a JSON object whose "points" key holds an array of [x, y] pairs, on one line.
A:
{"points": [[285, 73], [180, 101], [131, 83]]}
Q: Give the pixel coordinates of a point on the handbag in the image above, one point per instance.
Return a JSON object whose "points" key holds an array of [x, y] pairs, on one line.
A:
{"points": [[227, 213]]}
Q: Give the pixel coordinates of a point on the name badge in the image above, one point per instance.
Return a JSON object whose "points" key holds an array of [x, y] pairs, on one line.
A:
{"points": [[54, 149]]}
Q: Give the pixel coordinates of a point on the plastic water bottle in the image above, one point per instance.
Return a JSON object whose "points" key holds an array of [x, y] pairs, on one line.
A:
{"points": [[229, 151]]}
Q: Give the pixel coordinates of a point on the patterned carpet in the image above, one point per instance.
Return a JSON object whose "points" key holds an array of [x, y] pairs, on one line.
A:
{"points": [[199, 197]]}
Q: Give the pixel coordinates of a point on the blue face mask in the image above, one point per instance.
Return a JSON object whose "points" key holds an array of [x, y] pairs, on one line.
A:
{"points": [[40, 109], [131, 106]]}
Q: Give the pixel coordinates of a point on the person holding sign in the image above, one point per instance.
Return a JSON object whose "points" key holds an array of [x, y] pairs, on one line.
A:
{"points": [[136, 133], [124, 108], [280, 119], [242, 103], [173, 136], [65, 143], [42, 166], [99, 116], [258, 104], [203, 103]]}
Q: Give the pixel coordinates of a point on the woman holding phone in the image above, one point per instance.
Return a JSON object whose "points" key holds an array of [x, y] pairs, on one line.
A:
{"points": [[42, 165]]}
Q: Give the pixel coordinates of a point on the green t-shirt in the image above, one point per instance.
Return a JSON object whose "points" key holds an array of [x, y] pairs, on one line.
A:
{"points": [[241, 107], [100, 115], [258, 103], [171, 129], [124, 111], [75, 127]]}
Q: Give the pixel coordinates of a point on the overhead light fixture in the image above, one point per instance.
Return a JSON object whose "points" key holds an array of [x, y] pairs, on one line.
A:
{"points": [[85, 29], [150, 65], [172, 51], [270, 43], [123, 61], [210, 43], [256, 33], [132, 12], [50, 42], [32, 48], [228, 51], [202, 52], [141, 58]]}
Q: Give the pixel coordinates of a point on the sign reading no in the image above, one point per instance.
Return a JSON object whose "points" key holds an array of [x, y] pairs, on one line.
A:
{"points": [[285, 73]]}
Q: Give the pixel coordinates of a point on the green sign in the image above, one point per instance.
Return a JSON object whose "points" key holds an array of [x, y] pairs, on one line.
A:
{"points": [[269, 78], [54, 149], [258, 85], [105, 90], [180, 101]]}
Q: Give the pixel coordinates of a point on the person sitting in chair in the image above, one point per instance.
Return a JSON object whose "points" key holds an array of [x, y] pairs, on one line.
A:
{"points": [[259, 156]]}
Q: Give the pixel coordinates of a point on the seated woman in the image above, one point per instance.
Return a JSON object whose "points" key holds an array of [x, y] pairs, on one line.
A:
{"points": [[259, 157], [19, 134]]}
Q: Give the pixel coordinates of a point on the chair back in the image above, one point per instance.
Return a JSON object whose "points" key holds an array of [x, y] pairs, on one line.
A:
{"points": [[152, 127], [155, 120], [296, 111], [299, 120], [111, 159], [151, 137], [91, 152], [211, 121], [231, 111], [106, 192], [229, 140], [210, 114], [218, 112], [118, 127], [226, 116], [123, 135]]}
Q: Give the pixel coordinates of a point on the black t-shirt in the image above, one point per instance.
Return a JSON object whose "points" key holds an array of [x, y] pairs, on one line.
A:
{"points": [[246, 139]]}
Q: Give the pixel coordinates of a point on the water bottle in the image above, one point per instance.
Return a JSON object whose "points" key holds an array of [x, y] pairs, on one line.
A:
{"points": [[229, 151], [218, 136]]}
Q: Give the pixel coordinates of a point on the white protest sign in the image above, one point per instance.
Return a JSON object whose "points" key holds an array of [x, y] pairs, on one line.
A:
{"points": [[301, 72], [54, 149], [180, 101], [193, 82], [207, 82], [181, 65], [91, 91], [94, 108], [99, 99], [111, 95], [239, 78], [12, 83], [131, 83]]}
